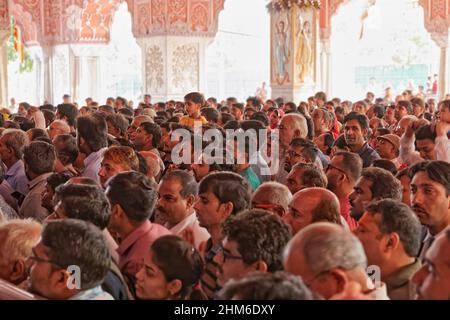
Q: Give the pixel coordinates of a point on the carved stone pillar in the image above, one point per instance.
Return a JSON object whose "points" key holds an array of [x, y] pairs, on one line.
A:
{"points": [[173, 66], [442, 42], [294, 53]]}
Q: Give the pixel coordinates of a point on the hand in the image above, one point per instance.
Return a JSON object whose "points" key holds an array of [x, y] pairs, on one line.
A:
{"points": [[188, 236]]}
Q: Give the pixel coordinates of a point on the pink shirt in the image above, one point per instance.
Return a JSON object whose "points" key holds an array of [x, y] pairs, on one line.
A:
{"points": [[345, 213], [134, 247]]}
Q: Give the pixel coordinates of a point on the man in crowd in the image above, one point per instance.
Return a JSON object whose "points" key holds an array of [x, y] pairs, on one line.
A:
{"points": [[58, 127], [12, 143], [342, 173], [356, 127], [272, 196], [253, 241], [176, 197], [388, 147], [305, 175], [39, 159], [92, 139], [329, 259], [147, 137], [374, 184], [430, 198], [17, 238], [117, 159], [390, 233], [133, 199], [433, 279], [70, 262], [312, 205], [220, 195]]}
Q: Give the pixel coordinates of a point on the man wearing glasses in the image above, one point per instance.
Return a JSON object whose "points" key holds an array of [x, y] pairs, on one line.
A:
{"points": [[330, 259], [252, 242], [70, 262], [272, 196], [343, 171]]}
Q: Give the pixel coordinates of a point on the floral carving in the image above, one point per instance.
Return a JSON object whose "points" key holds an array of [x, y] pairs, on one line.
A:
{"points": [[154, 63], [185, 67]]}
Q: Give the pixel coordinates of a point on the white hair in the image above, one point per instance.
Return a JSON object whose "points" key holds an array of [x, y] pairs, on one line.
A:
{"points": [[275, 193], [19, 237], [326, 246], [298, 122]]}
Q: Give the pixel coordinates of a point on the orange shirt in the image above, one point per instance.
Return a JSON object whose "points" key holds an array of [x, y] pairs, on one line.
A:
{"points": [[189, 121]]}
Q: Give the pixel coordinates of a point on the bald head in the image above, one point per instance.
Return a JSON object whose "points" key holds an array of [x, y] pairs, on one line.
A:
{"points": [[292, 126], [153, 163], [58, 127], [272, 193], [312, 205], [328, 249]]}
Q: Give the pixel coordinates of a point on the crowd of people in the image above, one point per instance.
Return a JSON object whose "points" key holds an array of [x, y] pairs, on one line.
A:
{"points": [[354, 203]]}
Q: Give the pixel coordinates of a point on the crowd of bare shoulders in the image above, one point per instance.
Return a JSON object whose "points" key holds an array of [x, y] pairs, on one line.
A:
{"points": [[339, 200]]}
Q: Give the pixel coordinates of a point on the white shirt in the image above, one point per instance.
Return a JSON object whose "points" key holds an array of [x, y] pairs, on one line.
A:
{"points": [[191, 222]]}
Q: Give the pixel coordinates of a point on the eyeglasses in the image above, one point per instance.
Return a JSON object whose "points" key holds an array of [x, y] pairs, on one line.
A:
{"points": [[228, 256], [294, 154], [330, 166], [34, 257]]}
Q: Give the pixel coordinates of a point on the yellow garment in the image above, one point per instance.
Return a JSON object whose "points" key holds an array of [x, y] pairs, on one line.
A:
{"points": [[189, 121], [304, 56]]}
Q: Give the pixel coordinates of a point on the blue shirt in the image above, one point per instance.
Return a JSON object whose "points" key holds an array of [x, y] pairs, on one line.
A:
{"points": [[368, 155], [92, 165], [95, 293], [17, 178], [251, 178]]}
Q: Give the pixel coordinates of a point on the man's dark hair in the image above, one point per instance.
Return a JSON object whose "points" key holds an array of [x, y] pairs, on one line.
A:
{"points": [[47, 106], [378, 110], [187, 182], [40, 157], [226, 117], [84, 202], [211, 114], [70, 149], [134, 192], [401, 219], [126, 112], [260, 236], [267, 286], [311, 175], [94, 130], [261, 116], [80, 243], [154, 130], [438, 171], [58, 178], [425, 132], [118, 121], [351, 163], [310, 151], [49, 116], [361, 118], [37, 132], [69, 111], [321, 95], [107, 109], [407, 105], [195, 97], [386, 165], [256, 103], [227, 187], [384, 184]]}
